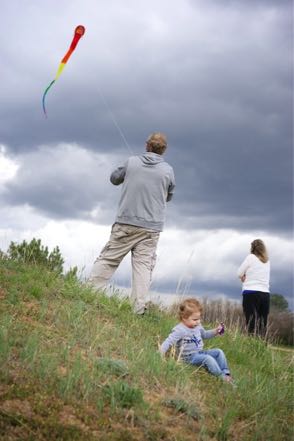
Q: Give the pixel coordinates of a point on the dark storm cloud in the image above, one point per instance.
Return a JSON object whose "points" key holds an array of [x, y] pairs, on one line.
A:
{"points": [[64, 182], [215, 76], [172, 74], [231, 289], [244, 187]]}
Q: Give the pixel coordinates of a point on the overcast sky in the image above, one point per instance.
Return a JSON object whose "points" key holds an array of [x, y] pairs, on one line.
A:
{"points": [[216, 76]]}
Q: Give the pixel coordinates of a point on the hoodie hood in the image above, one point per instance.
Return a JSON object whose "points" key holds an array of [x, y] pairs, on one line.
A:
{"points": [[151, 158]]}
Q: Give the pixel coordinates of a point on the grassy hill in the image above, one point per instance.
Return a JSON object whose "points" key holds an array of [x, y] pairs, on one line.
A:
{"points": [[75, 365]]}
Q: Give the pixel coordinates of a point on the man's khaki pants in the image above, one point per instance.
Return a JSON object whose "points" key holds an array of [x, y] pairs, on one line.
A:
{"points": [[142, 243]]}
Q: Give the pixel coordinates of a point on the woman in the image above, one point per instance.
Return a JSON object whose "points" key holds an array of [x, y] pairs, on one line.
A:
{"points": [[254, 273]]}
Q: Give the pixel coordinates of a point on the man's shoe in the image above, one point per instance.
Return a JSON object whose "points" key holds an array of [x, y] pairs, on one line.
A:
{"points": [[141, 312]]}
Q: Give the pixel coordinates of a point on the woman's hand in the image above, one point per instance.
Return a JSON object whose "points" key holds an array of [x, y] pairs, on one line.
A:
{"points": [[243, 278]]}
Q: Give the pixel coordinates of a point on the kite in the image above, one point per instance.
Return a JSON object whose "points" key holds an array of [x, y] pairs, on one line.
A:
{"points": [[79, 32]]}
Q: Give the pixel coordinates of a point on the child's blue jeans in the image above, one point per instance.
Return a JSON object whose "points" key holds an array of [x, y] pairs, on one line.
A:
{"points": [[214, 360]]}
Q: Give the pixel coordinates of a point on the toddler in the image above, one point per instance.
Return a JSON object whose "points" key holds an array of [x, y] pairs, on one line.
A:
{"points": [[188, 337]]}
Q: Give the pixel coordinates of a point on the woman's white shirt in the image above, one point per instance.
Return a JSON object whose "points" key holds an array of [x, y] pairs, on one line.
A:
{"points": [[257, 274]]}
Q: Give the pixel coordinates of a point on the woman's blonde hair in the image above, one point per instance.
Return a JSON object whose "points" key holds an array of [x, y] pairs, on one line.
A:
{"points": [[187, 307], [258, 248]]}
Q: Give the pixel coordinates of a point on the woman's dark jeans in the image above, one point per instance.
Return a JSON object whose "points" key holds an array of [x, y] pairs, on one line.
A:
{"points": [[256, 309]]}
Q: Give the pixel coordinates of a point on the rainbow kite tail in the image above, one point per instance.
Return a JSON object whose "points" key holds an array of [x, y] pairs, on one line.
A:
{"points": [[79, 32], [45, 93]]}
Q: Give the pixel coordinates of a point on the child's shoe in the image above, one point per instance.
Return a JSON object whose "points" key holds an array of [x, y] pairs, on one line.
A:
{"points": [[229, 379]]}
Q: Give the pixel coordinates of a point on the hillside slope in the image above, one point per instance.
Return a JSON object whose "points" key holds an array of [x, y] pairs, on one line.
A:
{"points": [[75, 365]]}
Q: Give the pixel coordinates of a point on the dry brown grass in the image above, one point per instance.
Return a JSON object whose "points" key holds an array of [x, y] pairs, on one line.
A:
{"points": [[280, 323]]}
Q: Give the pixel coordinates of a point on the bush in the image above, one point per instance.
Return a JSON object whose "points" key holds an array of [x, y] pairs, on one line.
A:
{"points": [[34, 252], [278, 302], [181, 406], [281, 327], [120, 394]]}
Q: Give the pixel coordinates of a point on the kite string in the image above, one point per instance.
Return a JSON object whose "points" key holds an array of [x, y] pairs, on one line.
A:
{"points": [[114, 121]]}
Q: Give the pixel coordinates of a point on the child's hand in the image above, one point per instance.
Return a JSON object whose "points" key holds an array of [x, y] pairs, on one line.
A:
{"points": [[220, 329], [162, 356], [160, 352]]}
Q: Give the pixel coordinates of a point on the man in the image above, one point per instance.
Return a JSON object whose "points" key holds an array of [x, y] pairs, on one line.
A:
{"points": [[147, 184]]}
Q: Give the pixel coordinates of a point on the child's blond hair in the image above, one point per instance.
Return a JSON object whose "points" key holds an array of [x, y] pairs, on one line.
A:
{"points": [[188, 306]]}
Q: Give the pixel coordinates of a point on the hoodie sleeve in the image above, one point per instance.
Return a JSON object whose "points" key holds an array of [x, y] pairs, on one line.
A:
{"points": [[207, 334], [171, 187], [172, 339], [118, 175]]}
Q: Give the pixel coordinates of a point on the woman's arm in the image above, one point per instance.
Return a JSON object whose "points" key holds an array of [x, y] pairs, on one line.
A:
{"points": [[243, 268]]}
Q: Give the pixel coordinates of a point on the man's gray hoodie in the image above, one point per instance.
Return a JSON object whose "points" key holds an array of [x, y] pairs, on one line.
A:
{"points": [[148, 183]]}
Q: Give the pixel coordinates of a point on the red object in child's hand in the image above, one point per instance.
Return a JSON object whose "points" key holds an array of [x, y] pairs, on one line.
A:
{"points": [[222, 330]]}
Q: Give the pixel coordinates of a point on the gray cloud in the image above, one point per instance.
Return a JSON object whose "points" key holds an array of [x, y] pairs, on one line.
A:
{"points": [[64, 181], [186, 70], [281, 286]]}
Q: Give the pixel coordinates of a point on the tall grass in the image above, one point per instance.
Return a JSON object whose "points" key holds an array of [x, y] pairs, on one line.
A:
{"points": [[280, 329]]}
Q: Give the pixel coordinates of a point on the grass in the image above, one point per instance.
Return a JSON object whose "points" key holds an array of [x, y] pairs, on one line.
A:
{"points": [[76, 365]]}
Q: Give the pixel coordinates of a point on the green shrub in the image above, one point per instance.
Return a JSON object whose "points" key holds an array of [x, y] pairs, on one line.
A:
{"points": [[112, 367], [120, 394], [34, 252], [181, 406], [278, 302]]}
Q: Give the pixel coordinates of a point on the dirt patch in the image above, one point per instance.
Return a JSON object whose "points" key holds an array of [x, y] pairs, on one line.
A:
{"points": [[2, 294], [67, 417], [17, 407], [4, 389]]}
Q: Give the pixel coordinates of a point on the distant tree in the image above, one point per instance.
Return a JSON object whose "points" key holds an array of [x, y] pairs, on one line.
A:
{"points": [[35, 252], [2, 255], [278, 302]]}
